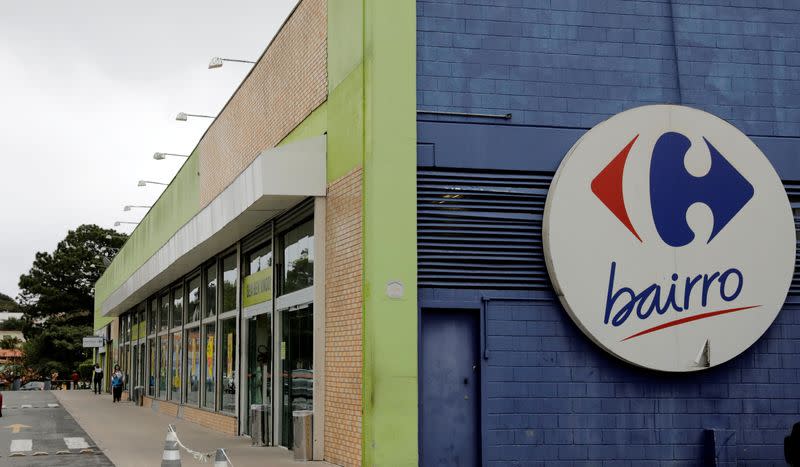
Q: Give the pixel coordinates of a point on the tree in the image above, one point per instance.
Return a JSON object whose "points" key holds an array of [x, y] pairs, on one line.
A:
{"points": [[62, 283], [7, 303], [12, 324], [9, 342], [57, 347], [57, 297]]}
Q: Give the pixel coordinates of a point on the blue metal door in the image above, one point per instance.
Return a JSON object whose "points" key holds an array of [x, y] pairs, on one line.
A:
{"points": [[450, 389]]}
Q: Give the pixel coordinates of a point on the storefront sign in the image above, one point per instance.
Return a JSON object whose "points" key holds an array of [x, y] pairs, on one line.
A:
{"points": [[93, 342], [669, 238], [257, 288]]}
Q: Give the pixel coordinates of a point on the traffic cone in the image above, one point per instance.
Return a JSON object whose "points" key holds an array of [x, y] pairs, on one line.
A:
{"points": [[172, 454], [220, 459]]}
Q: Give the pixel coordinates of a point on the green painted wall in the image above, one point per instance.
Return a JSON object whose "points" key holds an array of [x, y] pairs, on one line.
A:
{"points": [[390, 233], [345, 87], [315, 124], [176, 206], [372, 123]]}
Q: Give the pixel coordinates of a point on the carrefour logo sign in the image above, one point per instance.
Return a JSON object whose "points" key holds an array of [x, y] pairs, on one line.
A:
{"points": [[669, 238]]}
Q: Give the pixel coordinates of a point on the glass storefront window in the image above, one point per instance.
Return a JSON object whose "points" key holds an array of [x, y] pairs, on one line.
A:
{"points": [[260, 259], [163, 364], [298, 257], [142, 328], [210, 367], [193, 358], [151, 377], [193, 302], [177, 306], [229, 276], [133, 375], [152, 312], [228, 362], [175, 373], [123, 358], [163, 313], [210, 304]]}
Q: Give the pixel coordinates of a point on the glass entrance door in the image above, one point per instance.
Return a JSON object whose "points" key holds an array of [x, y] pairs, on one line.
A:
{"points": [[259, 369], [297, 372]]}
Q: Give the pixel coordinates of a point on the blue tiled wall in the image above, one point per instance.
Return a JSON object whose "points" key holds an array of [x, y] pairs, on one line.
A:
{"points": [[554, 398], [551, 396], [576, 62]]}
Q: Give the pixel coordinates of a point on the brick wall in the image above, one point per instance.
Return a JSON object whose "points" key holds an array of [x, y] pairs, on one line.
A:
{"points": [[555, 398], [218, 422], [215, 421], [343, 246], [165, 407], [576, 62], [287, 83]]}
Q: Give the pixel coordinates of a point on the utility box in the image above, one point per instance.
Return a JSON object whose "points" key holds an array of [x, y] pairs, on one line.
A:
{"points": [[303, 435], [258, 424]]}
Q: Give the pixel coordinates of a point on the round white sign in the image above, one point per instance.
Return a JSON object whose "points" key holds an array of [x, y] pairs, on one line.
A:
{"points": [[669, 238]]}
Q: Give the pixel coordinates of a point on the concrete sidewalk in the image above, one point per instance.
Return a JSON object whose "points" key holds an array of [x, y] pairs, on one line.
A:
{"points": [[133, 436]]}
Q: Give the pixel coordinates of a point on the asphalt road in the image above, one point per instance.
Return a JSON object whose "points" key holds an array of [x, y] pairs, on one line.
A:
{"points": [[36, 431]]}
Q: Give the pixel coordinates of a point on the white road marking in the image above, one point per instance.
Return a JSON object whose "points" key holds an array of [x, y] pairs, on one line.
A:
{"points": [[76, 443], [52, 406], [25, 406], [19, 445]]}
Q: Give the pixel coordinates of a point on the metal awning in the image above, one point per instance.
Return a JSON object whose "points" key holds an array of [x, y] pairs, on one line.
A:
{"points": [[278, 179]]}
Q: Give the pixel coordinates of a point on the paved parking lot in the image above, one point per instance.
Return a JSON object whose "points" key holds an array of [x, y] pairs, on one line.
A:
{"points": [[35, 430]]}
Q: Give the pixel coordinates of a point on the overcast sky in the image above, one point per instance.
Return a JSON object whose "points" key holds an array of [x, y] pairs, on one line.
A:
{"points": [[89, 91]]}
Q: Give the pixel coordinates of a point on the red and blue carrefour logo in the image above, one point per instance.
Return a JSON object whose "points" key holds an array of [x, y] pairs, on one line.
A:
{"points": [[669, 238], [673, 189]]}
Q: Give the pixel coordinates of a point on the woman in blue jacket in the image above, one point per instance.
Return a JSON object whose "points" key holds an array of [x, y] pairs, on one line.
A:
{"points": [[117, 382]]}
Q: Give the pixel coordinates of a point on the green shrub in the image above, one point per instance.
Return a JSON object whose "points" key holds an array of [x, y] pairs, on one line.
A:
{"points": [[85, 370]]}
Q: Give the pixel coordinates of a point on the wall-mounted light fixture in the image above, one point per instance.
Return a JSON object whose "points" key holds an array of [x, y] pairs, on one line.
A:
{"points": [[160, 156], [150, 182], [183, 116], [130, 206], [216, 62]]}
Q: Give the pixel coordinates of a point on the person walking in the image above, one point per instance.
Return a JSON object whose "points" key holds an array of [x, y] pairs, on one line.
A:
{"points": [[75, 379], [117, 381], [97, 379]]}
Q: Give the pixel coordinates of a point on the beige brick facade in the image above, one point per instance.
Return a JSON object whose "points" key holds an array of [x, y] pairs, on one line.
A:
{"points": [[215, 421], [343, 292], [287, 83]]}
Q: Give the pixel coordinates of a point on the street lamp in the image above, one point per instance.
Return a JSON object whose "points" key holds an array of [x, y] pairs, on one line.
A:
{"points": [[160, 156], [118, 223], [183, 116], [128, 207], [216, 62], [145, 182]]}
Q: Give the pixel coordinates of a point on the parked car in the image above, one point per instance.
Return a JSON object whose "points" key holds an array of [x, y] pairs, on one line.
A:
{"points": [[33, 386]]}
